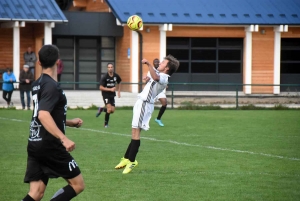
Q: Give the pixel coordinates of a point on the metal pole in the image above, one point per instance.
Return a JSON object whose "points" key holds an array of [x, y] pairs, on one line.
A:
{"points": [[236, 97], [172, 103]]}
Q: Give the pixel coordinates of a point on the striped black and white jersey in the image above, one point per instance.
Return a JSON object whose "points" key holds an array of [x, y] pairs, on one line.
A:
{"points": [[153, 88]]}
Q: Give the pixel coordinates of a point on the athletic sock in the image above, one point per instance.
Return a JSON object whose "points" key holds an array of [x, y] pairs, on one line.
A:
{"points": [[64, 194], [127, 151], [161, 112], [134, 149], [28, 198], [104, 110], [106, 118]]}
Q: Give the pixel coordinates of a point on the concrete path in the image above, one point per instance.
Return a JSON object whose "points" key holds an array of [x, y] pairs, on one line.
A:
{"points": [[80, 99]]}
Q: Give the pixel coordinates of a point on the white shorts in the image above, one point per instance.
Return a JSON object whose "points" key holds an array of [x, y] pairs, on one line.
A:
{"points": [[161, 95], [142, 112]]}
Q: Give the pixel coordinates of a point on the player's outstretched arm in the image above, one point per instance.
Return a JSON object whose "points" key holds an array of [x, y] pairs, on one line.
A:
{"points": [[77, 122]]}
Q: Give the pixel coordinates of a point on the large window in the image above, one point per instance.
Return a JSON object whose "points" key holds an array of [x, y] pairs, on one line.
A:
{"points": [[207, 55], [207, 60], [290, 56], [290, 64], [85, 59], [66, 51]]}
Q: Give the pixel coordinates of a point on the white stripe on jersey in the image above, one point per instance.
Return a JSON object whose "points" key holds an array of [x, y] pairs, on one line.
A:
{"points": [[153, 88]]}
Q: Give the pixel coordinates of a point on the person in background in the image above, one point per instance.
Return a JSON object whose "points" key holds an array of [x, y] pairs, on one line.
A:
{"points": [[109, 84], [7, 86], [25, 78], [30, 59], [161, 97], [60, 68]]}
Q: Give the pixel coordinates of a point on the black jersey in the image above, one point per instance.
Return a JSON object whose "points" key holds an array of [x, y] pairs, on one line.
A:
{"points": [[48, 96], [110, 82]]}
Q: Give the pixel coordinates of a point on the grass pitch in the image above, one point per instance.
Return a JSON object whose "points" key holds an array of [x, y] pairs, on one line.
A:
{"points": [[198, 155]]}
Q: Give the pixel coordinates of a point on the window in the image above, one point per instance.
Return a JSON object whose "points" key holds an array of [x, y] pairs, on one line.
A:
{"points": [[107, 53], [85, 59], [207, 55], [204, 54], [204, 67], [183, 67], [290, 56]]}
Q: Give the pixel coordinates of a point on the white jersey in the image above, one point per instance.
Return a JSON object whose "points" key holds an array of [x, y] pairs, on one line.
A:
{"points": [[153, 88]]}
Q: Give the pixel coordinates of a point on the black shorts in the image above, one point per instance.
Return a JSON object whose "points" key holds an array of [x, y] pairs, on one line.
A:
{"points": [[43, 167], [109, 100]]}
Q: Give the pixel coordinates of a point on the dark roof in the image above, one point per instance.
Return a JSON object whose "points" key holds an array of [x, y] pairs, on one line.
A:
{"points": [[209, 12], [31, 10]]}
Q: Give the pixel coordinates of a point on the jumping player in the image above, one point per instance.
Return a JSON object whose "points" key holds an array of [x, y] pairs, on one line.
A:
{"points": [[144, 107], [109, 84], [48, 148]]}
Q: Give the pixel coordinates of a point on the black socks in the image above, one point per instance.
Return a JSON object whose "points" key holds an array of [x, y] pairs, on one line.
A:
{"points": [[134, 149], [28, 198], [106, 118], [127, 151], [64, 194], [161, 112]]}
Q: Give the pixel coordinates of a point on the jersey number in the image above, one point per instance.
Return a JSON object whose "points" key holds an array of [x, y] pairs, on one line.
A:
{"points": [[106, 100], [36, 105]]}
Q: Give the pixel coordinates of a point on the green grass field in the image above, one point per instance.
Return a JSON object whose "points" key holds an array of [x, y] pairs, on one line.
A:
{"points": [[198, 155]]}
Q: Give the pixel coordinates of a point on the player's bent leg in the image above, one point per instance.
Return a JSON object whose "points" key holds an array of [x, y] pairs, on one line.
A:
{"points": [[77, 183], [163, 101], [108, 108], [112, 109], [100, 109], [37, 190], [74, 187]]}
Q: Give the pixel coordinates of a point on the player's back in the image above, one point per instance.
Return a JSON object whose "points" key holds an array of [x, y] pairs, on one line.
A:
{"points": [[47, 96]]}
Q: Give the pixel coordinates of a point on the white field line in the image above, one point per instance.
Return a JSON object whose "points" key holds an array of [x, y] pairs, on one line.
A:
{"points": [[148, 171], [177, 143], [199, 172]]}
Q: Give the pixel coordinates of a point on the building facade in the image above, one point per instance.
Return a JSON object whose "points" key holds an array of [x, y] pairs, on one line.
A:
{"points": [[223, 42]]}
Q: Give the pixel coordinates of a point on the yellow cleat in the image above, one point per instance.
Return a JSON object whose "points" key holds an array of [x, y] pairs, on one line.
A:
{"points": [[123, 163], [130, 166]]}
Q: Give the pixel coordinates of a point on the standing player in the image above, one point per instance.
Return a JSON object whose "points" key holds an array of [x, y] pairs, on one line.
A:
{"points": [[48, 146], [144, 107], [108, 85], [161, 97]]}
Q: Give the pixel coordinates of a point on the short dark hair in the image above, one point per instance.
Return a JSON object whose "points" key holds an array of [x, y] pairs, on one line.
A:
{"points": [[110, 63], [173, 64], [48, 55], [8, 70]]}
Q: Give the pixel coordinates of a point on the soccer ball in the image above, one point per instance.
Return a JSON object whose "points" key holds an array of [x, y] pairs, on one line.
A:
{"points": [[134, 22]]}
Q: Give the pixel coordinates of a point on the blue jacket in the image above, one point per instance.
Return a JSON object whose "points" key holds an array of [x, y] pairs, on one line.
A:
{"points": [[7, 85]]}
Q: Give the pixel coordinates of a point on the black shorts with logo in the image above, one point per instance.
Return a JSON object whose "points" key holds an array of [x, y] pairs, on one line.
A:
{"points": [[109, 100], [43, 167]]}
